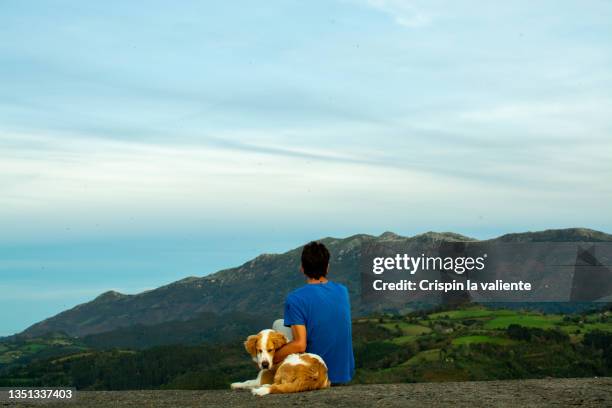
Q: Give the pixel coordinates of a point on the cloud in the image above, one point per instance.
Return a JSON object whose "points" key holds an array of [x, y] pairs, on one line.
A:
{"points": [[403, 12], [311, 117]]}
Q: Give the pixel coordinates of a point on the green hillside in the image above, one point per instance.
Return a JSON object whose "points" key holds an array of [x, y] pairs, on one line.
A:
{"points": [[472, 343], [19, 350], [238, 290], [476, 343]]}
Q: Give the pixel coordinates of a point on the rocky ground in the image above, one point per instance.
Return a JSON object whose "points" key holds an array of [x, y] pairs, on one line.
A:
{"points": [[589, 392]]}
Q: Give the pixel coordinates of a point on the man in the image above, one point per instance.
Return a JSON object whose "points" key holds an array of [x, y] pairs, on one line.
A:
{"points": [[319, 315]]}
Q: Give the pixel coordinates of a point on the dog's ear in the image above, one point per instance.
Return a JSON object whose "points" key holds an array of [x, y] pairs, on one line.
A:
{"points": [[251, 344], [278, 340]]}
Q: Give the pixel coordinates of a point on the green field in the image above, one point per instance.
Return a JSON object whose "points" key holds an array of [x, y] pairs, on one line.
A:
{"points": [[469, 343], [467, 340], [19, 351], [481, 344], [424, 357], [539, 321], [407, 329], [401, 340], [470, 313]]}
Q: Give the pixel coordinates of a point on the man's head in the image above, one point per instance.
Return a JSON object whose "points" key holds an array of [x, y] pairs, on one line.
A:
{"points": [[315, 260]]}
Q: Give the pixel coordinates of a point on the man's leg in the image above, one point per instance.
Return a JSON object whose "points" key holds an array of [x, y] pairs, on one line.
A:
{"points": [[279, 326]]}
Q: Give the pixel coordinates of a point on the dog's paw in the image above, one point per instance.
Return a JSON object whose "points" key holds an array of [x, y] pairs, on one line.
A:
{"points": [[237, 386], [261, 391]]}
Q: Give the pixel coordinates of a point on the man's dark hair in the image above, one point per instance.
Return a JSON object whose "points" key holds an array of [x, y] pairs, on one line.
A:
{"points": [[315, 258]]}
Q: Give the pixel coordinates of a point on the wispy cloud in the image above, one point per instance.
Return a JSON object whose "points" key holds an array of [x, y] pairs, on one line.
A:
{"points": [[403, 12], [277, 117]]}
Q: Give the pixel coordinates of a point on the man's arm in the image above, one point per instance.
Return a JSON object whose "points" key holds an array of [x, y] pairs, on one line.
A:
{"points": [[297, 345]]}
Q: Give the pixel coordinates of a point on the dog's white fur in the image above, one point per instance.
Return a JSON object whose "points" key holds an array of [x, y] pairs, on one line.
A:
{"points": [[298, 372], [265, 356], [261, 357]]}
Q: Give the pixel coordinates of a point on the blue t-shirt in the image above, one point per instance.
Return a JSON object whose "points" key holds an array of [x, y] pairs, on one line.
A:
{"points": [[325, 310]]}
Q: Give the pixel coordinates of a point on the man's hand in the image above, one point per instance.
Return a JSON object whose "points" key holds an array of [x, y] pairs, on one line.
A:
{"points": [[297, 345]]}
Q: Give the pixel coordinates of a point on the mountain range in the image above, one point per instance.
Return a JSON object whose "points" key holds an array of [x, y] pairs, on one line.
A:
{"points": [[252, 293]]}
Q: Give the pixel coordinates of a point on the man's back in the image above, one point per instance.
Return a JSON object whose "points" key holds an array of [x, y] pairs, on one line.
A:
{"points": [[324, 309]]}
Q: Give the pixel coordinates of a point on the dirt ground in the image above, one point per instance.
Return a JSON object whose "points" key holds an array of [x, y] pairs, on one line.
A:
{"points": [[586, 392]]}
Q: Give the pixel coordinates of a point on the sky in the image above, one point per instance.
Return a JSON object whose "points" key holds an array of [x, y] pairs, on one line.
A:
{"points": [[143, 142]]}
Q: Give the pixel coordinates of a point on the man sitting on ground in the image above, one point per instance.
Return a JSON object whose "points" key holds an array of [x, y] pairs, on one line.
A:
{"points": [[319, 314]]}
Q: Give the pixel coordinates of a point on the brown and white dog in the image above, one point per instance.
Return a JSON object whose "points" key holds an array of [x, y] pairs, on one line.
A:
{"points": [[298, 372]]}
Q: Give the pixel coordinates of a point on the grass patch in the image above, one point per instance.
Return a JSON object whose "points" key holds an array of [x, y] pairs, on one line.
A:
{"points": [[407, 328], [539, 321], [598, 326], [424, 357], [9, 356], [401, 340], [587, 327], [467, 340], [33, 347], [475, 313]]}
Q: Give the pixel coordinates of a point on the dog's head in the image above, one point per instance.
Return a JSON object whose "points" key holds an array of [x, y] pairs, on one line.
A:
{"points": [[262, 346]]}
